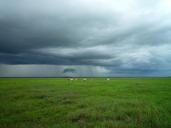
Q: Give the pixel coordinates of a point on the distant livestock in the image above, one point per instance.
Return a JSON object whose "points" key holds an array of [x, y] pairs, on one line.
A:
{"points": [[107, 79]]}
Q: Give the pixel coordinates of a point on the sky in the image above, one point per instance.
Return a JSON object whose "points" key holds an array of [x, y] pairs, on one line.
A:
{"points": [[98, 38]]}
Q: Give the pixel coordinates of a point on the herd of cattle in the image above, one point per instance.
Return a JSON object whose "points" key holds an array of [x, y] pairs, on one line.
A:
{"points": [[84, 79]]}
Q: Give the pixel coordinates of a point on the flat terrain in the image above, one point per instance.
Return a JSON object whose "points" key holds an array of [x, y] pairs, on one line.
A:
{"points": [[94, 103]]}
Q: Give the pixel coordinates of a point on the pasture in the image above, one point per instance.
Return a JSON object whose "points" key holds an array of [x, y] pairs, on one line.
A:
{"points": [[91, 103]]}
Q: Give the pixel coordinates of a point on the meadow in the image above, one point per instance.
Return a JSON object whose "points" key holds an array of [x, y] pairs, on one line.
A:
{"points": [[91, 103]]}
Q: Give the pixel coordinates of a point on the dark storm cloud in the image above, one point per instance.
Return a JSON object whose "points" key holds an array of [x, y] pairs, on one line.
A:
{"points": [[123, 34], [69, 70], [25, 26]]}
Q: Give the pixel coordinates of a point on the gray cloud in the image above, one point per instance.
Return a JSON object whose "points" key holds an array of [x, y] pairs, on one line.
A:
{"points": [[116, 35], [32, 70], [69, 70]]}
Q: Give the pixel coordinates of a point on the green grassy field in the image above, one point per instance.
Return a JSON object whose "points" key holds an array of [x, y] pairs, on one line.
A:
{"points": [[95, 103]]}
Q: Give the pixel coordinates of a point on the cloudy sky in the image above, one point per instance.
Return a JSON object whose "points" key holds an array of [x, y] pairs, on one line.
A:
{"points": [[85, 38]]}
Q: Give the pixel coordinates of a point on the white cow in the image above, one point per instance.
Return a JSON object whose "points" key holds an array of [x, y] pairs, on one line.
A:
{"points": [[108, 79], [85, 79]]}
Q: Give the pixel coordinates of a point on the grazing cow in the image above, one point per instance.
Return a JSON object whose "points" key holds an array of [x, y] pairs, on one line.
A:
{"points": [[107, 79], [85, 79], [71, 79]]}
